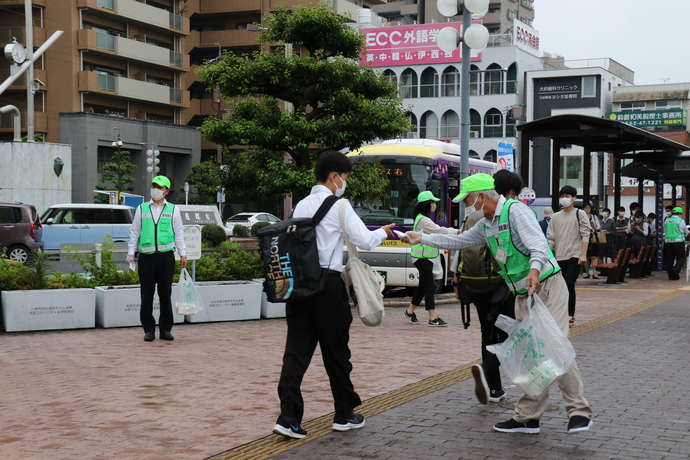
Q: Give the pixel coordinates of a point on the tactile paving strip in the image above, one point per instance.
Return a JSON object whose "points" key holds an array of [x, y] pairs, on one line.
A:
{"points": [[273, 445]]}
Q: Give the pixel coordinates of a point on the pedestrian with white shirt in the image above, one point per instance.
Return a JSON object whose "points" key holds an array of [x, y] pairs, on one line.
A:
{"points": [[529, 268], [156, 232], [325, 318], [569, 234], [424, 258]]}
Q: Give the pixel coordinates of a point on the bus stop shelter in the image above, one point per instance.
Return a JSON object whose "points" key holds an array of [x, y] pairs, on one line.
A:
{"points": [[653, 157]]}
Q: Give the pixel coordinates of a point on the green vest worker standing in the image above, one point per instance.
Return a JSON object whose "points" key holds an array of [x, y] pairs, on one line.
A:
{"points": [[424, 257], [528, 268], [675, 231], [156, 232]]}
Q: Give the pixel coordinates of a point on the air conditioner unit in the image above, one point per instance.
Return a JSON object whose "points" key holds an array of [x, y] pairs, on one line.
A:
{"points": [[474, 134]]}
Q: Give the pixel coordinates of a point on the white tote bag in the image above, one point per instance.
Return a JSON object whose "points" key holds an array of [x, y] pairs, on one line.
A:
{"points": [[364, 285]]}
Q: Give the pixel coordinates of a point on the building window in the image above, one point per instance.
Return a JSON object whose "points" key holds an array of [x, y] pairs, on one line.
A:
{"points": [[391, 76], [571, 171], [493, 124], [491, 155], [527, 21], [632, 106], [474, 155], [450, 125], [450, 79], [408, 82], [475, 124], [512, 15], [429, 126], [429, 84], [589, 86], [493, 79], [494, 9], [666, 105], [528, 3]]}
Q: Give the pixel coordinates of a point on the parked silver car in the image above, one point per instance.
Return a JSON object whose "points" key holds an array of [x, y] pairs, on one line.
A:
{"points": [[247, 219]]}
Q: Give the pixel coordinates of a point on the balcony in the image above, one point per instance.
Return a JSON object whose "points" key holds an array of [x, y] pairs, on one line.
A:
{"points": [[140, 13], [224, 6], [5, 3], [129, 88], [128, 49]]}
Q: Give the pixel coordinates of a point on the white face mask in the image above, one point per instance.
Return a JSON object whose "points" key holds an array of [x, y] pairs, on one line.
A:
{"points": [[668, 213], [157, 194], [474, 205], [622, 214], [339, 191], [605, 214], [565, 202]]}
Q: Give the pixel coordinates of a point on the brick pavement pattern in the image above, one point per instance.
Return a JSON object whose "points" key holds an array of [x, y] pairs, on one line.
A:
{"points": [[105, 393], [635, 372]]}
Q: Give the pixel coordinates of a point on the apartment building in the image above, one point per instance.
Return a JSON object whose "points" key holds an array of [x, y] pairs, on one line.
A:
{"points": [[499, 17]]}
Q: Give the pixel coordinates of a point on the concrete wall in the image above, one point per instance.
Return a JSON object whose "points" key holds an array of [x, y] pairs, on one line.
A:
{"points": [[27, 174], [180, 148]]}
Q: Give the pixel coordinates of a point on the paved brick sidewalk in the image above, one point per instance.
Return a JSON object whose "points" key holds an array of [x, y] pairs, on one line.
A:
{"points": [[635, 372], [104, 393]]}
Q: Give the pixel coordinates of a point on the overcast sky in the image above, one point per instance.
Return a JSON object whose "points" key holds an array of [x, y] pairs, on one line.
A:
{"points": [[651, 38]]}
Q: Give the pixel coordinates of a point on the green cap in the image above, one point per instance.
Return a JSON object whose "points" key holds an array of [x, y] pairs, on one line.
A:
{"points": [[678, 210], [426, 196], [474, 183], [161, 180]]}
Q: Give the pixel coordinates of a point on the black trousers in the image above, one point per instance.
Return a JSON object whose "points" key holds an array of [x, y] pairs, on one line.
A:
{"points": [[324, 319], [425, 288], [487, 312], [674, 258], [156, 270], [571, 270]]}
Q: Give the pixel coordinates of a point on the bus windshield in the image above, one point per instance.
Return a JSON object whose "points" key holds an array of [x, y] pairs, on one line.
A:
{"points": [[405, 182]]}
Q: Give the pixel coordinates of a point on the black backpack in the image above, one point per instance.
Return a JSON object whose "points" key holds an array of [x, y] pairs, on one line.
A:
{"points": [[291, 257]]}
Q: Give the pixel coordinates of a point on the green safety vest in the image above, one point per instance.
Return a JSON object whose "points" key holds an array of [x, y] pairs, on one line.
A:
{"points": [[672, 233], [420, 251], [156, 236], [516, 267]]}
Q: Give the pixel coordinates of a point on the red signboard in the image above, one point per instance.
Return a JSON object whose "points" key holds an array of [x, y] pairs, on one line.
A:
{"points": [[409, 45]]}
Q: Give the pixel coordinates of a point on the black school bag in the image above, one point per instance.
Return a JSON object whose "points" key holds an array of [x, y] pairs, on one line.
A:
{"points": [[291, 257]]}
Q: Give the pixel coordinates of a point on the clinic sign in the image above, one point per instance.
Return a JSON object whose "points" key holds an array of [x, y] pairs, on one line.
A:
{"points": [[409, 45], [525, 37], [506, 156], [652, 118]]}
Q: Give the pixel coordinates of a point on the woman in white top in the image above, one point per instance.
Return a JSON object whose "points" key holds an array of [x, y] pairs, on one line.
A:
{"points": [[593, 248], [423, 259]]}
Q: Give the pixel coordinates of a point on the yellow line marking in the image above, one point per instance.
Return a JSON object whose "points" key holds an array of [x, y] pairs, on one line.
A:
{"points": [[272, 445]]}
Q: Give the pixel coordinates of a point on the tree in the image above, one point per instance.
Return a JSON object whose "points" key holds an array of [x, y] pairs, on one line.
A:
{"points": [[117, 172], [205, 177], [336, 102]]}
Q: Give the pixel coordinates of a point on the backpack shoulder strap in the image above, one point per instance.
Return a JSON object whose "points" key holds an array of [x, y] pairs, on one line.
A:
{"points": [[324, 208]]}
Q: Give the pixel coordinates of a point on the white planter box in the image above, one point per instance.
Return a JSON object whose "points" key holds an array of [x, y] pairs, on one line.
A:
{"points": [[228, 301], [270, 309], [48, 309], [119, 306]]}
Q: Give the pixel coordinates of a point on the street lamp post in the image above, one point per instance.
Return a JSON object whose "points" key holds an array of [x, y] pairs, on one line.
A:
{"points": [[474, 37], [152, 159]]}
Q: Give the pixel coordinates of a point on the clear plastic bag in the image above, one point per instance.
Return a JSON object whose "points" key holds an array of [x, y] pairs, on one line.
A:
{"points": [[188, 300], [536, 352]]}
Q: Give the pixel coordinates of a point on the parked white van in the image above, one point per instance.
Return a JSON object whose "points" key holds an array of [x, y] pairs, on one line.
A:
{"points": [[85, 223]]}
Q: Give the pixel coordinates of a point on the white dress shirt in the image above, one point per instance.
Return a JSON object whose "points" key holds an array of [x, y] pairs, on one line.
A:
{"points": [[156, 210], [329, 235]]}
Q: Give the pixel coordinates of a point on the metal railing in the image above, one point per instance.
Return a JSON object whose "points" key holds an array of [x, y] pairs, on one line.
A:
{"points": [[106, 82], [106, 41], [175, 58], [175, 21], [175, 96], [109, 4]]}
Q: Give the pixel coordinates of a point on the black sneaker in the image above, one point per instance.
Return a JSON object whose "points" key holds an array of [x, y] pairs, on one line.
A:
{"points": [[511, 426], [579, 423], [413, 317], [437, 322], [481, 388], [288, 428], [352, 422], [496, 396]]}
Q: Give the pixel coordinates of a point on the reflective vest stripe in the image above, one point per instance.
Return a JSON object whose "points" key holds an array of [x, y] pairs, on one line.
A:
{"points": [[156, 236], [420, 251]]}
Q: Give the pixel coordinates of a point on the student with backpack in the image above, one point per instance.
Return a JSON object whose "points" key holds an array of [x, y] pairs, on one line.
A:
{"points": [[325, 317]]}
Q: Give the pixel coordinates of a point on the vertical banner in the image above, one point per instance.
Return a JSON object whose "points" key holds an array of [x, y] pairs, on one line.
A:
{"points": [[506, 155]]}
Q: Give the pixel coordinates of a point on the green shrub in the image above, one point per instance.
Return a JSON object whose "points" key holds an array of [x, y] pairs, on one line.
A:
{"points": [[107, 274], [14, 275], [238, 265], [240, 231], [229, 245], [257, 226], [213, 233]]}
